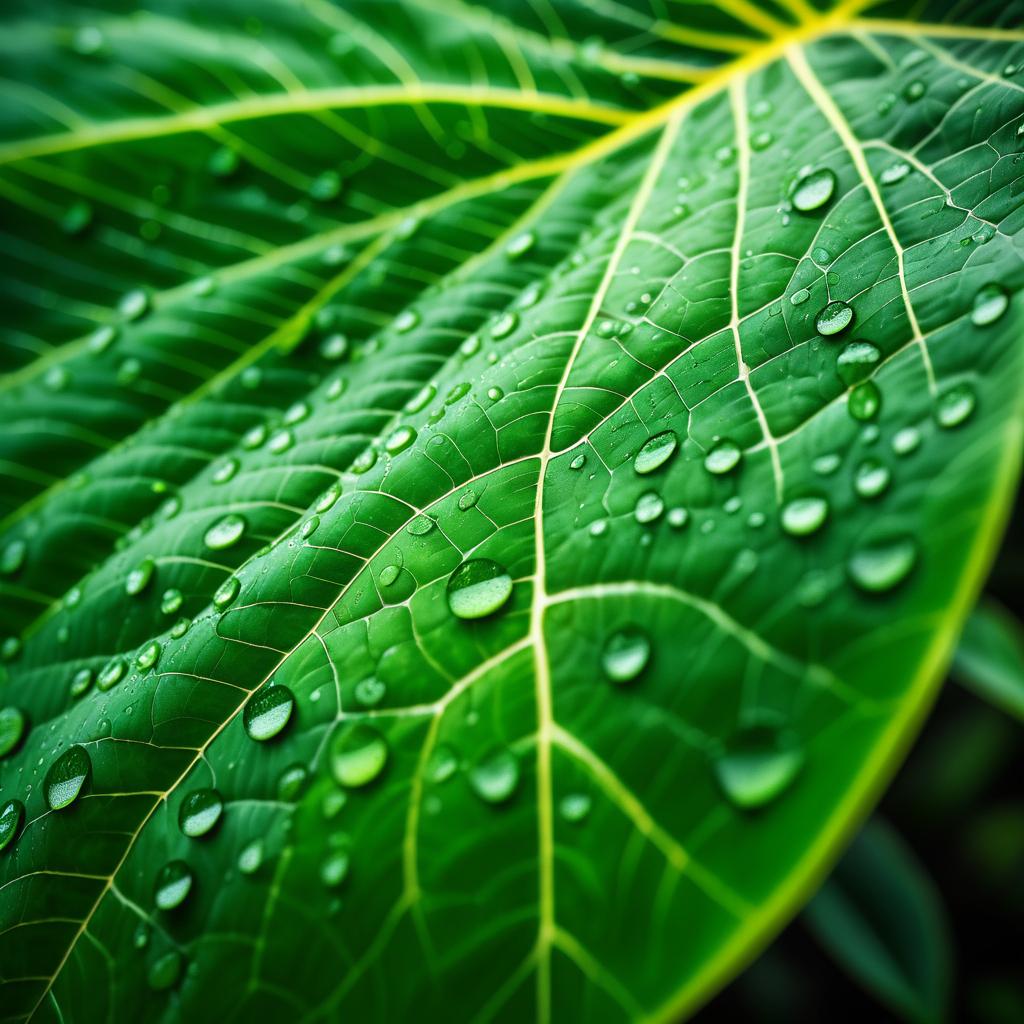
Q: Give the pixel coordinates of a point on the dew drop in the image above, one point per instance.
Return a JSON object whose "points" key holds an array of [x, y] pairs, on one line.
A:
{"points": [[173, 884], [835, 317], [80, 683], [148, 656], [406, 321], [799, 297], [871, 479], [724, 457], [138, 579], [333, 348], [421, 525], [226, 593], [388, 575], [224, 470], [399, 440], [334, 870], [649, 508], [442, 764], [804, 516], [134, 304], [574, 807], [13, 557], [813, 190], [358, 755], [856, 362], [955, 406], [757, 766], [12, 728], [678, 518], [199, 812], [370, 692], [165, 971], [882, 566], [655, 452], [67, 777], [865, 400], [224, 533], [111, 673], [520, 245], [268, 711], [626, 654], [468, 500], [11, 815], [250, 858], [495, 776], [990, 304], [421, 399], [171, 601], [291, 782], [477, 588], [906, 440], [504, 325]]}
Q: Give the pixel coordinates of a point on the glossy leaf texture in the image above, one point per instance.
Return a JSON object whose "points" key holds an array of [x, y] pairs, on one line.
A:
{"points": [[489, 492], [881, 918]]}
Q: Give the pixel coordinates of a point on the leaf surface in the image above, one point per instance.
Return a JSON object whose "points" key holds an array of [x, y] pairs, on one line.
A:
{"points": [[990, 657], [306, 306]]}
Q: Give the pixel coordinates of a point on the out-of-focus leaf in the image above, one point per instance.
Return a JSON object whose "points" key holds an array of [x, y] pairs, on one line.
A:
{"points": [[990, 657], [880, 918]]}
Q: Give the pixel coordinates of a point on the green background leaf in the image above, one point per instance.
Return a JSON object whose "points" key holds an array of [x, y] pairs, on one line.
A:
{"points": [[323, 301], [990, 657]]}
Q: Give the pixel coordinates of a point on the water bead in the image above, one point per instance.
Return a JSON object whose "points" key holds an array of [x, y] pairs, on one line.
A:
{"points": [[955, 406], [626, 654], [358, 755], [172, 886], [655, 452], [804, 516], [833, 318], [881, 566], [495, 776], [66, 777], [813, 190], [267, 712], [478, 588], [199, 812]]}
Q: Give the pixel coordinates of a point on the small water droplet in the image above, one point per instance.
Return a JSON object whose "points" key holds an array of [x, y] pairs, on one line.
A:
{"points": [[358, 755], [134, 304], [268, 712], [520, 245], [504, 325], [813, 190], [420, 526], [369, 692], [955, 406], [881, 566], [11, 815], [626, 654], [325, 186], [467, 500], [148, 656], [649, 507], [477, 588], [871, 479], [80, 683], [799, 297], [574, 807], [171, 601], [758, 764], [111, 673], [291, 782], [250, 858], [442, 764], [334, 870], [906, 440], [165, 971], [67, 777], [864, 401], [199, 812], [724, 457], [224, 470], [914, 91], [495, 776], [804, 516], [678, 518], [226, 592], [173, 884], [406, 321], [894, 173], [655, 452], [834, 318], [225, 532], [12, 729], [138, 579], [856, 362]]}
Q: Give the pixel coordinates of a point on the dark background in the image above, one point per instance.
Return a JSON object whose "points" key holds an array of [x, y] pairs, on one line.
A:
{"points": [[958, 802]]}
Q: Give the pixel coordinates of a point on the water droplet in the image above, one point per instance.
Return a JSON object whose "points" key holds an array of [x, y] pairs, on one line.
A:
{"points": [[12, 728], [291, 782], [138, 579], [648, 508], [399, 440], [578, 462], [165, 971], [223, 162], [724, 457], [835, 317], [134, 304], [894, 173], [906, 441], [421, 525], [67, 777], [955, 406], [504, 325], [757, 766], [13, 557], [467, 500], [678, 518], [813, 190], [626, 654], [80, 683], [871, 479], [268, 711], [111, 673], [655, 452], [358, 755], [856, 362], [883, 565], [148, 656], [173, 884], [364, 461], [250, 858], [226, 592], [171, 601], [296, 413], [11, 815], [325, 186], [799, 297], [224, 470], [574, 807], [520, 245], [477, 588], [333, 348], [442, 764], [369, 692], [864, 401], [224, 533], [334, 869], [914, 91], [495, 775], [804, 516], [406, 321], [421, 399], [990, 303], [199, 812], [388, 575]]}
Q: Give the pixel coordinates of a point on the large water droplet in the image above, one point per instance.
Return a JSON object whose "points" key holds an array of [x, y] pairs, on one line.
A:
{"points": [[883, 565], [111, 673], [504, 325], [649, 508], [268, 712], [148, 656], [723, 457], [67, 777], [835, 317], [990, 304], [12, 728], [173, 884], [955, 406], [805, 515], [358, 755], [655, 452], [477, 588], [856, 362], [757, 766], [11, 815], [199, 812], [138, 579], [813, 190], [494, 776], [871, 479], [225, 532], [626, 654]]}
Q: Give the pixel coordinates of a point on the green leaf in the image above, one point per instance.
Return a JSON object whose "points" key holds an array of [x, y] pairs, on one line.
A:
{"points": [[694, 329], [990, 657], [881, 919]]}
